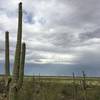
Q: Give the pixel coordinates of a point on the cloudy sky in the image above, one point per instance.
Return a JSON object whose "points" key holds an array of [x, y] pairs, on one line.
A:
{"points": [[57, 32]]}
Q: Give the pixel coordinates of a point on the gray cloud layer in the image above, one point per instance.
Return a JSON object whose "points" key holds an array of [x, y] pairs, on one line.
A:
{"points": [[56, 31]]}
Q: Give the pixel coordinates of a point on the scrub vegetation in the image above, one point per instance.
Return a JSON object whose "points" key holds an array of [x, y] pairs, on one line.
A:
{"points": [[55, 88]]}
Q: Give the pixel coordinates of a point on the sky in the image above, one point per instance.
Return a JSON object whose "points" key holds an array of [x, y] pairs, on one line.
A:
{"points": [[63, 33]]}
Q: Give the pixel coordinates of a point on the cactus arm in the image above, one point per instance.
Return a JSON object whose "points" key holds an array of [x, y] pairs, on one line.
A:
{"points": [[22, 63]]}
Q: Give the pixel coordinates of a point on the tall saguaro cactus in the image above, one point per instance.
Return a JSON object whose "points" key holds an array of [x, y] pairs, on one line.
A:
{"points": [[18, 69], [18, 46], [7, 62]]}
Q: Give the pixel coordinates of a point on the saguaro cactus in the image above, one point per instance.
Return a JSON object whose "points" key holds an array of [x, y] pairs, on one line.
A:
{"points": [[18, 46], [7, 62], [18, 70]]}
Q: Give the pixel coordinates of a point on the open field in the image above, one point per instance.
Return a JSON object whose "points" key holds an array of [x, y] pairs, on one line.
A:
{"points": [[66, 79], [59, 88]]}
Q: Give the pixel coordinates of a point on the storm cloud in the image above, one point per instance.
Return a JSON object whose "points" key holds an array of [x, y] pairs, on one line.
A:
{"points": [[55, 31]]}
